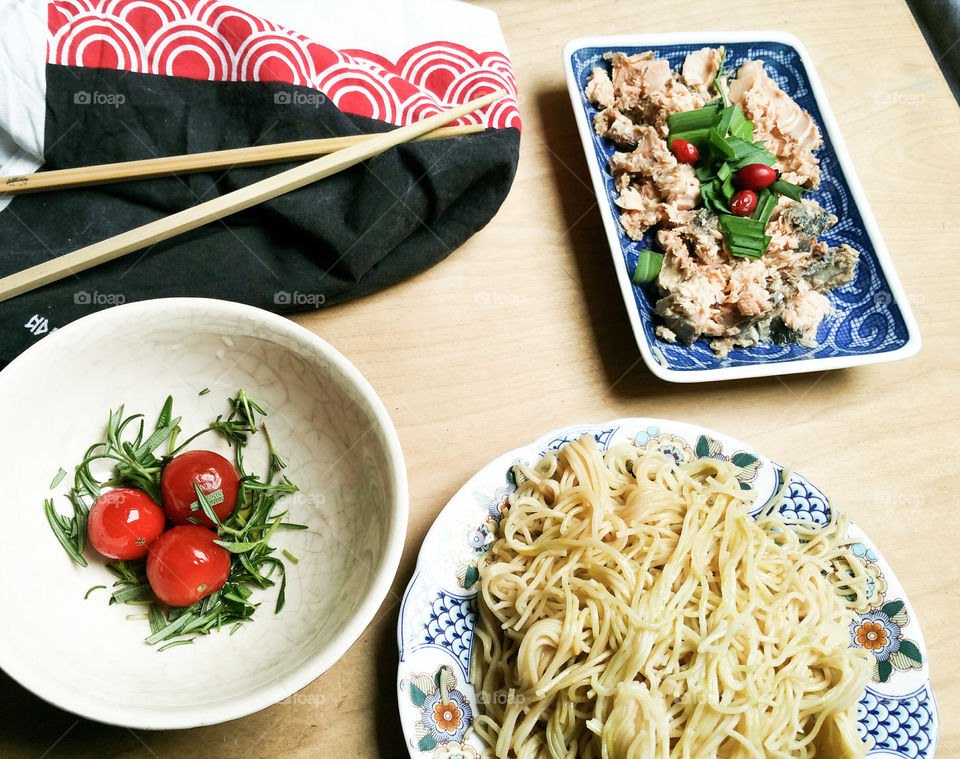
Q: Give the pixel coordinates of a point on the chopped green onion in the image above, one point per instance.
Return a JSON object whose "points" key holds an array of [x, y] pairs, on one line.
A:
{"points": [[728, 189], [95, 587], [741, 225], [702, 118], [757, 156], [719, 144], [766, 202], [698, 137], [716, 79], [740, 148], [742, 129], [739, 252], [704, 173], [791, 190], [722, 124], [648, 266]]}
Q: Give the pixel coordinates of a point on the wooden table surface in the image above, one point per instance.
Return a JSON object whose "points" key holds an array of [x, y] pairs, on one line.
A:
{"points": [[522, 330]]}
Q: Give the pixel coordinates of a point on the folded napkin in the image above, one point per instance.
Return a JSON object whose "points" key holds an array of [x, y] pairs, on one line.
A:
{"points": [[97, 82]]}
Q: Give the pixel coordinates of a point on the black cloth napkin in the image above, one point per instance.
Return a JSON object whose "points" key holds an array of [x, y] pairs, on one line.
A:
{"points": [[358, 231]]}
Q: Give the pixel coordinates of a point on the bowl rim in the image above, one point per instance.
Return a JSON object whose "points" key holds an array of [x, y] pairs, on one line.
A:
{"points": [[760, 369], [292, 334]]}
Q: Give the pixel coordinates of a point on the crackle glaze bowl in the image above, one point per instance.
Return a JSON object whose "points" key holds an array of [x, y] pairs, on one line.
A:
{"points": [[342, 451]]}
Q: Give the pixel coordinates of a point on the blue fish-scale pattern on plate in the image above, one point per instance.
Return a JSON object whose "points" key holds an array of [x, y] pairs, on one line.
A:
{"points": [[866, 318], [803, 500], [448, 623], [602, 437], [900, 725]]}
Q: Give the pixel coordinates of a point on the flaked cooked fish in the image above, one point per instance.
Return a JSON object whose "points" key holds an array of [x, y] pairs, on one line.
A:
{"points": [[705, 292]]}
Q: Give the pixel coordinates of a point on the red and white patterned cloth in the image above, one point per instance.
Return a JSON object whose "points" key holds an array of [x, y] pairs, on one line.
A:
{"points": [[418, 58]]}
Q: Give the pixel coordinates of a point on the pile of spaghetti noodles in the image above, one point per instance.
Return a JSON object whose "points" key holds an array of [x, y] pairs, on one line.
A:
{"points": [[631, 607]]}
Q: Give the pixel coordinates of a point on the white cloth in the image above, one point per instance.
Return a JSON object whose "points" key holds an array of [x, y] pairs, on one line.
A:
{"points": [[23, 54]]}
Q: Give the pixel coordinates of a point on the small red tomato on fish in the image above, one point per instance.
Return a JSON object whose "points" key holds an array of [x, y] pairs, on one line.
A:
{"points": [[743, 203], [684, 152], [755, 176]]}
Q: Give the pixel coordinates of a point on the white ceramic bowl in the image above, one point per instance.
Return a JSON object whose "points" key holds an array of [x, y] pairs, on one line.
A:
{"points": [[342, 451]]}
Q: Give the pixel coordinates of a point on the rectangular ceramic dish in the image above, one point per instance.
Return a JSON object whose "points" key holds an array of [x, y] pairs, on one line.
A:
{"points": [[872, 321]]}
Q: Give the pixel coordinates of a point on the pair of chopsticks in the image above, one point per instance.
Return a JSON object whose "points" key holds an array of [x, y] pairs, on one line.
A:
{"points": [[346, 152]]}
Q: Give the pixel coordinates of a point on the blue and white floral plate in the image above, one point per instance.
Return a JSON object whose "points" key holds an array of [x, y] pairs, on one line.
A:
{"points": [[872, 320], [897, 714]]}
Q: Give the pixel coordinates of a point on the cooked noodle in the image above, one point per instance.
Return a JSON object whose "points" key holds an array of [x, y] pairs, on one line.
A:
{"points": [[630, 607]]}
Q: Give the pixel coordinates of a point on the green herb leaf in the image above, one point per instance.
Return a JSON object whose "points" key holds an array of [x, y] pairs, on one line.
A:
{"points": [[716, 79], [698, 137], [166, 413], [791, 190], [173, 643], [65, 531], [250, 527], [213, 498], [206, 505], [648, 266], [701, 118], [58, 478]]}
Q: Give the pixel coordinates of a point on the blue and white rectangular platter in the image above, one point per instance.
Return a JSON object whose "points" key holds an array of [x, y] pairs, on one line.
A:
{"points": [[872, 321]]}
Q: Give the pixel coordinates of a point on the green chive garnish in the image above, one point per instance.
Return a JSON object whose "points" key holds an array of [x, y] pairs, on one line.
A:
{"points": [[648, 266]]}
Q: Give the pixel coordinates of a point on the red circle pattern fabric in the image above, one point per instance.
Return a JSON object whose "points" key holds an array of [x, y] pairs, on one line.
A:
{"points": [[213, 41]]}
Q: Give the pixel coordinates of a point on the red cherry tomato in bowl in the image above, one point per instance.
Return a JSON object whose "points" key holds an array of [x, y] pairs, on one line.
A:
{"points": [[185, 565], [684, 152], [212, 472], [755, 176], [743, 203], [124, 522]]}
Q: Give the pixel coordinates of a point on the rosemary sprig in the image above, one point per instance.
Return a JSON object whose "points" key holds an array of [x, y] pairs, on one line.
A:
{"points": [[246, 533]]}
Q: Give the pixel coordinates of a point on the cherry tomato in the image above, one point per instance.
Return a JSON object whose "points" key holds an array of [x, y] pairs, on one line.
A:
{"points": [[185, 565], [743, 203], [755, 176], [684, 152], [211, 472], [124, 522]]}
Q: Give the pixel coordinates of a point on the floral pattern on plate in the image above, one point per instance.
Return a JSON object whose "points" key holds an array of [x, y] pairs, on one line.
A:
{"points": [[445, 714], [897, 714]]}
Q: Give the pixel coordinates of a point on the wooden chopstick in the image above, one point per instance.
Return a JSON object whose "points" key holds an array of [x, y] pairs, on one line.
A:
{"points": [[245, 197], [181, 164]]}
